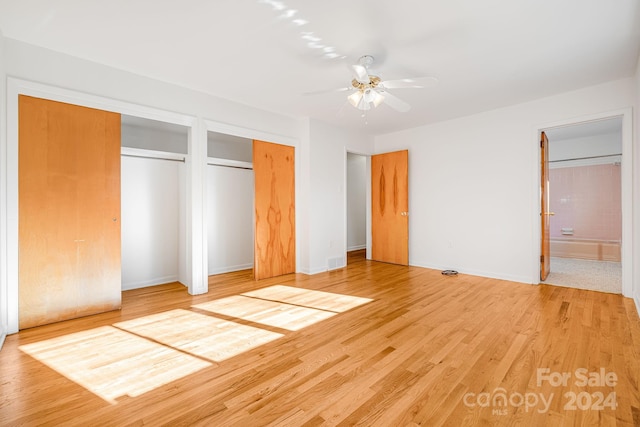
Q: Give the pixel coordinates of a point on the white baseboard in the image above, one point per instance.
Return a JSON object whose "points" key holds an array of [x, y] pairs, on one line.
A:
{"points": [[229, 269], [480, 273], [150, 282], [356, 248]]}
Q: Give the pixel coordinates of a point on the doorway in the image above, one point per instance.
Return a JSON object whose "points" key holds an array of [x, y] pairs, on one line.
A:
{"points": [[585, 205], [356, 207]]}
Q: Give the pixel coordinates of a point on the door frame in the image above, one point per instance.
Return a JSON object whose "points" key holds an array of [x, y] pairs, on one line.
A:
{"points": [[367, 202], [252, 134], [626, 173]]}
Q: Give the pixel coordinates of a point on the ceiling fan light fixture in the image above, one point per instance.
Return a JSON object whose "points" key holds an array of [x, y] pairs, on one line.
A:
{"points": [[374, 97], [363, 99], [355, 98], [364, 105]]}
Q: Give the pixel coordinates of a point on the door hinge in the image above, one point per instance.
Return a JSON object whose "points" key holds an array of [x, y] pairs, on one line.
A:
{"points": [[541, 258]]}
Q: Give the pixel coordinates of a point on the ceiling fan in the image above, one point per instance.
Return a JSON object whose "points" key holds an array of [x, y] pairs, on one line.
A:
{"points": [[369, 90]]}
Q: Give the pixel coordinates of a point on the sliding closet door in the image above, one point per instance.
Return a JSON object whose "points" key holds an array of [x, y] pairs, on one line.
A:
{"points": [[69, 211], [275, 225]]}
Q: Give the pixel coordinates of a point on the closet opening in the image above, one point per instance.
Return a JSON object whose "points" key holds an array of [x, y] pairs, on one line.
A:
{"points": [[230, 203], [153, 189]]}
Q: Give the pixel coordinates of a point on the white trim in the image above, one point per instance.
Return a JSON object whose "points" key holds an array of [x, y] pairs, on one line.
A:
{"points": [[215, 161], [152, 154], [151, 282], [196, 230], [627, 191], [480, 273], [252, 134], [231, 268], [16, 87]]}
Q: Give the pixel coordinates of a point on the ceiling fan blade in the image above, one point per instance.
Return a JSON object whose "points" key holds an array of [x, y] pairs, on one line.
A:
{"points": [[395, 102], [360, 73], [417, 83]]}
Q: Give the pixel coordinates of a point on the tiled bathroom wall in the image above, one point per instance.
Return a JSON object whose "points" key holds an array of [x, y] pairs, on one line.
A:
{"points": [[586, 201]]}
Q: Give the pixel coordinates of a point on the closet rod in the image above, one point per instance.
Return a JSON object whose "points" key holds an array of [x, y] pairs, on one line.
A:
{"points": [[229, 166], [586, 158], [153, 157]]}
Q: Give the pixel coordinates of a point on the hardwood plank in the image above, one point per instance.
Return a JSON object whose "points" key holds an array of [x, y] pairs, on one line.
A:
{"points": [[410, 356]]}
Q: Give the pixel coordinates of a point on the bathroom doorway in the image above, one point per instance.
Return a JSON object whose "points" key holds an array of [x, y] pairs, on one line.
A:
{"points": [[585, 205]]}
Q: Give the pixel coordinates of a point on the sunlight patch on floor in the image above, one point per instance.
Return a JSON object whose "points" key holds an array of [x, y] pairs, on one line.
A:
{"points": [[112, 363], [283, 307], [309, 298], [198, 334], [133, 357], [272, 313]]}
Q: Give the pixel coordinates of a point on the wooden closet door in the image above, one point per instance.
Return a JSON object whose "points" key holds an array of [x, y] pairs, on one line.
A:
{"points": [[275, 222], [69, 211]]}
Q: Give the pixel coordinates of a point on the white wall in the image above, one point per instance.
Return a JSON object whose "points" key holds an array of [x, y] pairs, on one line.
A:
{"points": [[150, 221], [609, 145], [229, 147], [636, 190], [3, 208], [356, 201], [149, 138], [37, 64], [473, 182], [230, 198], [326, 204]]}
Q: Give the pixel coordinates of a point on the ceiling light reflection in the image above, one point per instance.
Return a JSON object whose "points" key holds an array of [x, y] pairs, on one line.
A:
{"points": [[277, 5]]}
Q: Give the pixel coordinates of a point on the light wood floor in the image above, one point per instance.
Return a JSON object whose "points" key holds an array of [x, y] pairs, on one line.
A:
{"points": [[427, 350]]}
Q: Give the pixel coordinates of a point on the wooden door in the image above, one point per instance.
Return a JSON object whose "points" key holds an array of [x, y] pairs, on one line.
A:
{"points": [[545, 249], [69, 211], [390, 207], [275, 225]]}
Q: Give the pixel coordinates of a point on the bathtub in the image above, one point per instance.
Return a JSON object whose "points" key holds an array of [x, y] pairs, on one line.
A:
{"points": [[602, 250]]}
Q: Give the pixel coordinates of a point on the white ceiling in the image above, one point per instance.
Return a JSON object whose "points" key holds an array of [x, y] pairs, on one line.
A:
{"points": [[485, 54]]}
